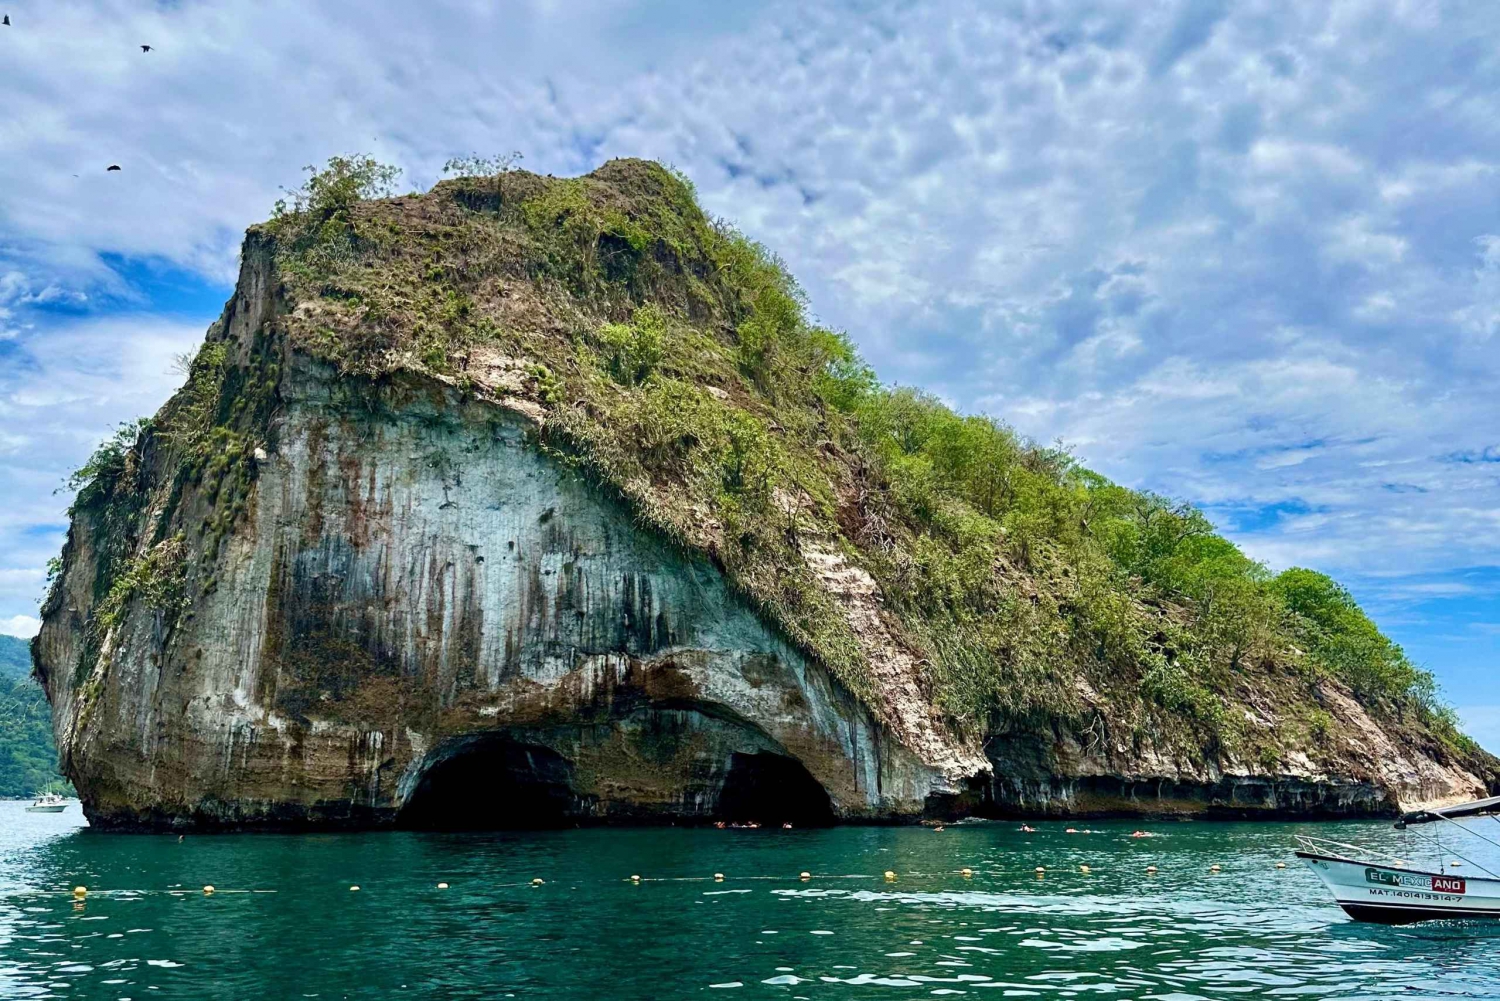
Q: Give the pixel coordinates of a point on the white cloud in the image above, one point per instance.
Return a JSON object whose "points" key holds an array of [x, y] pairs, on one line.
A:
{"points": [[1482, 316], [24, 626], [61, 391], [1357, 241]]}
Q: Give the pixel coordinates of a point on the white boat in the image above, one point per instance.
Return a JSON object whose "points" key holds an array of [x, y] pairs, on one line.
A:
{"points": [[1376, 886], [50, 803]]}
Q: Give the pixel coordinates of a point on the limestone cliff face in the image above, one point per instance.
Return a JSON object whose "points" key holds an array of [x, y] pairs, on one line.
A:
{"points": [[1358, 770], [310, 597], [414, 579]]}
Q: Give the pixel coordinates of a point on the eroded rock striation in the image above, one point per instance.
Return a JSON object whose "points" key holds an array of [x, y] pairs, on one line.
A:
{"points": [[350, 577]]}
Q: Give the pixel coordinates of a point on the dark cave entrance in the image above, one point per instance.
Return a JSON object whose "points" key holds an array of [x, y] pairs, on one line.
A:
{"points": [[493, 783], [772, 789]]}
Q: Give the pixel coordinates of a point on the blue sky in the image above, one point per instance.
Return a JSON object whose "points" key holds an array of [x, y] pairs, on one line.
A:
{"points": [[1247, 254]]}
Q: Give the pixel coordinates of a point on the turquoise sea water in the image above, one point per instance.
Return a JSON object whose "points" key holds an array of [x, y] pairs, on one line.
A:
{"points": [[283, 922]]}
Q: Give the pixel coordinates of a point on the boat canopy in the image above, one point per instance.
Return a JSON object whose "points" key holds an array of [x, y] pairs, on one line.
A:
{"points": [[1479, 806]]}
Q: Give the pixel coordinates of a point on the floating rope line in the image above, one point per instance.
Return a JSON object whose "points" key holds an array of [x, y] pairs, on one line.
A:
{"points": [[965, 875], [123, 893], [799, 878]]}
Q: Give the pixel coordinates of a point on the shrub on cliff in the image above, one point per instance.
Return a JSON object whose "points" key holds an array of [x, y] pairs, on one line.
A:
{"points": [[1343, 640], [110, 462]]}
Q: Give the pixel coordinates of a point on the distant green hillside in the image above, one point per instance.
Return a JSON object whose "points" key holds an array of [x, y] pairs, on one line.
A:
{"points": [[15, 658], [28, 761]]}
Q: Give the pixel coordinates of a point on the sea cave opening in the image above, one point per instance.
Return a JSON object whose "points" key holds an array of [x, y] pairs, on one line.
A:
{"points": [[772, 789], [493, 783]]}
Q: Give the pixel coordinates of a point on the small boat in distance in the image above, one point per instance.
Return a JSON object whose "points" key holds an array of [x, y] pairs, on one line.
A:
{"points": [[1376, 886], [49, 803]]}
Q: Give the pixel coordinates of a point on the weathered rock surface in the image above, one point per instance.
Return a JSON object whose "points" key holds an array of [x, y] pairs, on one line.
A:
{"points": [[417, 614], [417, 575], [1052, 773]]}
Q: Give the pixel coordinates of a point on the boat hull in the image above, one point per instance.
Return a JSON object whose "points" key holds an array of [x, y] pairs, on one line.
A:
{"points": [[1392, 895], [46, 809]]}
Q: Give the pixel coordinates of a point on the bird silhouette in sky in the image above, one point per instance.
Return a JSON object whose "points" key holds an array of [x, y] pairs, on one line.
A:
{"points": [[6, 22], [145, 48], [113, 166]]}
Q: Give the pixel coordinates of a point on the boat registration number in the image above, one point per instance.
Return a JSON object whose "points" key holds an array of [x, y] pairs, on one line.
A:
{"points": [[1438, 884]]}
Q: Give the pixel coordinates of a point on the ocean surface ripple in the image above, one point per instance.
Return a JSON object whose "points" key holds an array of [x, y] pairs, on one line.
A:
{"points": [[283, 921]]}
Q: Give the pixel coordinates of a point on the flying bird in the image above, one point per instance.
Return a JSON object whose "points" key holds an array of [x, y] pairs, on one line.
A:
{"points": [[113, 166], [145, 48]]}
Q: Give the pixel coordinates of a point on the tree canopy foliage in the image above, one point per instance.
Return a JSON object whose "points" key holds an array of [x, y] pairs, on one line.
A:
{"points": [[28, 760]]}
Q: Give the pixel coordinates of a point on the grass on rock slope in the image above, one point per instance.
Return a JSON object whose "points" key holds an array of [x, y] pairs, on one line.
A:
{"points": [[674, 360]]}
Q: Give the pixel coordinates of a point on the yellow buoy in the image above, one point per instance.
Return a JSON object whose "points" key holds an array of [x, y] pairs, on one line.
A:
{"points": [[1151, 869], [804, 875], [537, 881], [1281, 865], [353, 889], [80, 891], [208, 889], [1041, 868], [889, 875], [1455, 863], [1213, 868], [966, 873], [1083, 868], [718, 877], [635, 879], [442, 886]]}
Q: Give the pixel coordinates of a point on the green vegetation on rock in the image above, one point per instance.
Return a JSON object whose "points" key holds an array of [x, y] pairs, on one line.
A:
{"points": [[674, 360]]}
